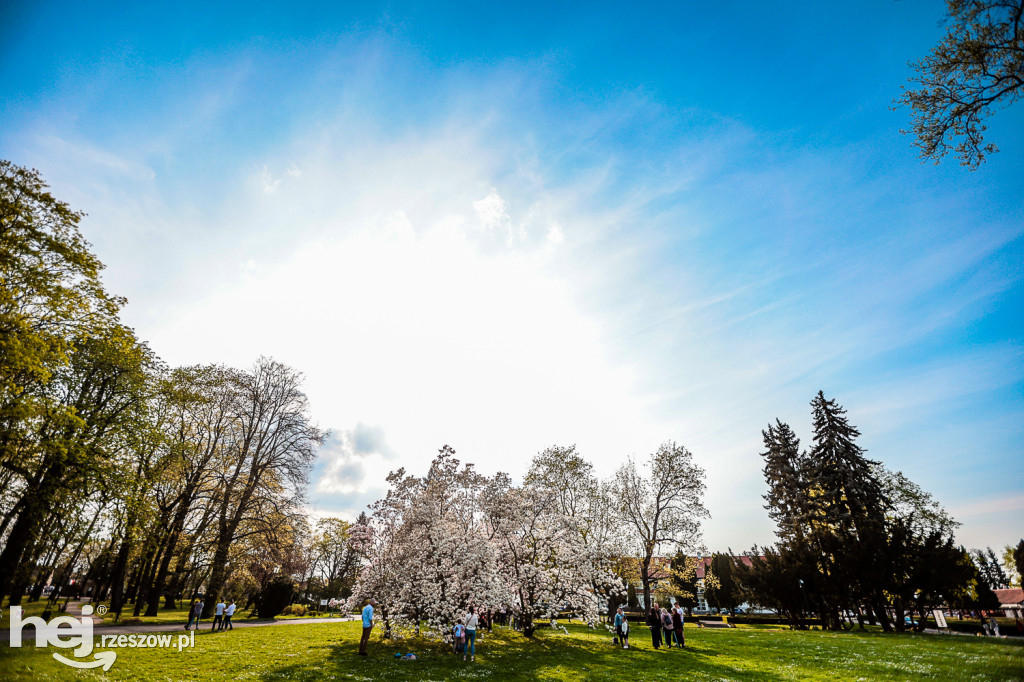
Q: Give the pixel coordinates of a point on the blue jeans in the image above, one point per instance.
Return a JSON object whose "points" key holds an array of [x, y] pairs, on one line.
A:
{"points": [[471, 642]]}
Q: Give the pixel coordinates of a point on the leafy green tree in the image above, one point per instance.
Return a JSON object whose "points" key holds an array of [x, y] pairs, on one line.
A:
{"points": [[105, 388], [51, 298], [977, 68], [780, 577], [989, 569], [332, 559], [907, 500], [1018, 561], [275, 596]]}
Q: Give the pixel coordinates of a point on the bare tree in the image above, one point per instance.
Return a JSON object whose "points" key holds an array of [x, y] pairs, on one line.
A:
{"points": [[662, 506], [266, 466], [977, 67]]}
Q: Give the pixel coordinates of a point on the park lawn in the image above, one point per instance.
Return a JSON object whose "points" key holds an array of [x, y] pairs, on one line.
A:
{"points": [[28, 608], [327, 652], [164, 616]]}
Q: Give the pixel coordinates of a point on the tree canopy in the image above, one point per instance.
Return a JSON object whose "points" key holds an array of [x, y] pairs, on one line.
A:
{"points": [[976, 68]]}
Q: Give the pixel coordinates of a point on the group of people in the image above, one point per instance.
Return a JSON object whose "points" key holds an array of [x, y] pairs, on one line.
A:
{"points": [[221, 615], [665, 623], [670, 622], [990, 626]]}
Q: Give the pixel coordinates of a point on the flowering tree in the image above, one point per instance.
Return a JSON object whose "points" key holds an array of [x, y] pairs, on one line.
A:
{"points": [[541, 556], [428, 557], [588, 507], [449, 562], [662, 506], [375, 538]]}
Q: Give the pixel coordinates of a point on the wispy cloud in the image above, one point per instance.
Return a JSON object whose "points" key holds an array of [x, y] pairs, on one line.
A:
{"points": [[491, 274]]}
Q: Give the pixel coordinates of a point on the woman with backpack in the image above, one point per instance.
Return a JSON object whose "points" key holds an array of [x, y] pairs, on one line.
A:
{"points": [[667, 626]]}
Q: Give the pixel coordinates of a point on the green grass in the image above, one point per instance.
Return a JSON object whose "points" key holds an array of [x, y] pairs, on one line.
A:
{"points": [[327, 651], [178, 616], [164, 616], [35, 608]]}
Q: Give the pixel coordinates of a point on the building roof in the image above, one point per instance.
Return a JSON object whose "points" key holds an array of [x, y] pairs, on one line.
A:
{"points": [[1011, 597], [704, 562]]}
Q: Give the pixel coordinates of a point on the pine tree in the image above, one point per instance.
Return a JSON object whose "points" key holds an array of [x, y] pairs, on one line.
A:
{"points": [[846, 515], [785, 472], [722, 592], [848, 496]]}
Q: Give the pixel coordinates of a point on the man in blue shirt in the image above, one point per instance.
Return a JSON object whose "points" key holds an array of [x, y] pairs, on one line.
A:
{"points": [[367, 626]]}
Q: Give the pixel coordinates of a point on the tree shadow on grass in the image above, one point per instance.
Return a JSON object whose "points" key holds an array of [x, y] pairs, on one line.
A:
{"points": [[507, 655]]}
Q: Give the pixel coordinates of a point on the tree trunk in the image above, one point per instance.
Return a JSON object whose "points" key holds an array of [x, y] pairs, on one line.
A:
{"points": [[117, 578], [146, 582], [160, 587], [645, 580], [878, 606], [35, 504], [218, 575]]}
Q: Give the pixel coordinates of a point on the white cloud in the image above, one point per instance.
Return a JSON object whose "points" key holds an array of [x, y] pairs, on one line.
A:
{"points": [[555, 234], [268, 183], [445, 284]]}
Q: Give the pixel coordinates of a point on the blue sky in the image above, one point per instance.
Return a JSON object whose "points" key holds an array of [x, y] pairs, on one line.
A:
{"points": [[503, 227]]}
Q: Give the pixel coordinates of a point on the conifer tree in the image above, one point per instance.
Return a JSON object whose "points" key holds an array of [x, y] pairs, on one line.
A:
{"points": [[847, 495], [785, 472]]}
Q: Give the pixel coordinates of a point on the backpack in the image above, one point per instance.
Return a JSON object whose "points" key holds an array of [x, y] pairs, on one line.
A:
{"points": [[666, 621]]}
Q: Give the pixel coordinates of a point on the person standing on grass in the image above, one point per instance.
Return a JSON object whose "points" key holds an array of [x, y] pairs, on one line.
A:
{"points": [[230, 611], [218, 615], [677, 622], [367, 626], [458, 638], [668, 627], [470, 623], [199, 612], [622, 628], [654, 622], [191, 614]]}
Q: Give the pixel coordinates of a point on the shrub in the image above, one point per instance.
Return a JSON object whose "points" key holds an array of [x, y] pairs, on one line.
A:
{"points": [[275, 596]]}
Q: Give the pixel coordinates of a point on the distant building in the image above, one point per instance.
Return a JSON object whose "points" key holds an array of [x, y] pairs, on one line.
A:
{"points": [[1011, 601]]}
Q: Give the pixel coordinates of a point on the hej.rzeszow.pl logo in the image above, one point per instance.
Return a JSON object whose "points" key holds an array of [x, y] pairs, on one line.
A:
{"points": [[68, 632]]}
